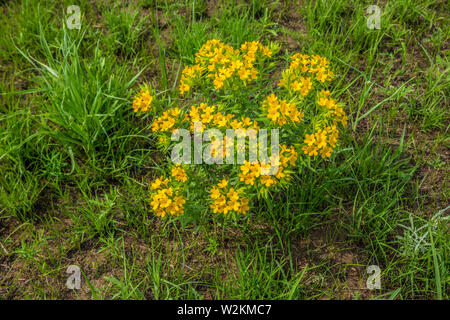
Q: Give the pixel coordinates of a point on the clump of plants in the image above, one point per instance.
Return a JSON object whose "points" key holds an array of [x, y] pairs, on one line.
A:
{"points": [[232, 106]]}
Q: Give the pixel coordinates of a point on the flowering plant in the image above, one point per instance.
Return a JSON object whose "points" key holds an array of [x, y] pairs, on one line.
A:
{"points": [[233, 89]]}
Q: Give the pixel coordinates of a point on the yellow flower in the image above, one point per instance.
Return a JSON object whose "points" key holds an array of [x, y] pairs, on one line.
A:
{"points": [[215, 193], [243, 208], [232, 194], [268, 181], [326, 152], [184, 87], [158, 183], [142, 101], [166, 200], [310, 150], [166, 121], [179, 174], [229, 201], [223, 184]]}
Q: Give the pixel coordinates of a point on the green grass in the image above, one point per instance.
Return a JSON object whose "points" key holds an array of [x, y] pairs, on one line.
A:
{"points": [[75, 163]]}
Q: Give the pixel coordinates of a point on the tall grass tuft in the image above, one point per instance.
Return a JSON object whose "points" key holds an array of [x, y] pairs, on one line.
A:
{"points": [[86, 97]]}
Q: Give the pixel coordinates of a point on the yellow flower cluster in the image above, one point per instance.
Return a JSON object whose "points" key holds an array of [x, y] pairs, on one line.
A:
{"points": [[221, 62], [336, 112], [179, 173], [142, 101], [226, 199], [250, 172], [245, 123], [189, 73], [203, 113], [280, 111], [299, 106], [210, 118], [324, 140], [166, 121], [250, 49], [219, 147], [288, 155], [165, 199], [302, 69]]}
